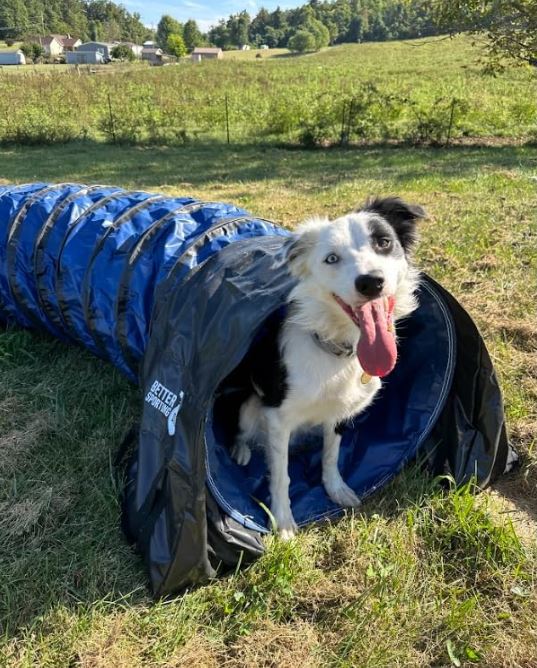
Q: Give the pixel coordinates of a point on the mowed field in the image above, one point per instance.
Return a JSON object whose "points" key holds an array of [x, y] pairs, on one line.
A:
{"points": [[422, 577]]}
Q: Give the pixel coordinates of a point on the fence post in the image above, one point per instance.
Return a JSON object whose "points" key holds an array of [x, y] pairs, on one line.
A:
{"points": [[112, 122], [343, 138], [451, 116]]}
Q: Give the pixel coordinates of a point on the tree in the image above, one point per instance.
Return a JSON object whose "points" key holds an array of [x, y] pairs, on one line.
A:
{"points": [[510, 25], [32, 51], [302, 41], [237, 27], [319, 32], [167, 26], [123, 52], [219, 35], [192, 35], [13, 18], [176, 46]]}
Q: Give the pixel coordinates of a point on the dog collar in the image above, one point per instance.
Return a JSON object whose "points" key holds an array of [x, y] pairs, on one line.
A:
{"points": [[338, 349]]}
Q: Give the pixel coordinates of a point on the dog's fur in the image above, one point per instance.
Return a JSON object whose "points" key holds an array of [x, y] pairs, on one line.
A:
{"points": [[298, 383]]}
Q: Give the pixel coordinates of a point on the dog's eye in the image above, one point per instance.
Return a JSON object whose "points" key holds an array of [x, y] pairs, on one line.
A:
{"points": [[384, 242], [331, 259]]}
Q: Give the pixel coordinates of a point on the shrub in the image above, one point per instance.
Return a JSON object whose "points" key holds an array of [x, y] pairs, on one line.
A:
{"points": [[302, 41], [123, 52]]}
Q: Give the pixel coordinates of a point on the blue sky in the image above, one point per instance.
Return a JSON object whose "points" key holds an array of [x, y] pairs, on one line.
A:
{"points": [[205, 12]]}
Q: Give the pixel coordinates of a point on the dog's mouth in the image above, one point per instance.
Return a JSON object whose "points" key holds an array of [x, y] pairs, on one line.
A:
{"points": [[376, 350]]}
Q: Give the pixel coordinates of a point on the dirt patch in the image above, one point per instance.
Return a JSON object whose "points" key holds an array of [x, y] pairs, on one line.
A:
{"points": [[520, 334], [276, 646]]}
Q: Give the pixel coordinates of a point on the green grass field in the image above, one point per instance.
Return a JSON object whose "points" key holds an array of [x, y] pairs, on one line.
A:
{"points": [[419, 91], [422, 577]]}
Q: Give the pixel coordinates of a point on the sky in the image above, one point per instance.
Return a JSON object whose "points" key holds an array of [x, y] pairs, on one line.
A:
{"points": [[205, 12]]}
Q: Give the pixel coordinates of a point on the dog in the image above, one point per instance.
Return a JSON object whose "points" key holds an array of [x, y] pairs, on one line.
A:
{"points": [[324, 361]]}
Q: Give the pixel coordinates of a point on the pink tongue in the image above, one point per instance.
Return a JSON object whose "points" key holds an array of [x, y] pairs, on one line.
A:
{"points": [[376, 350]]}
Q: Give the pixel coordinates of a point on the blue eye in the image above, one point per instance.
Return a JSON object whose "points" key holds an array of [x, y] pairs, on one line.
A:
{"points": [[331, 259], [384, 242]]}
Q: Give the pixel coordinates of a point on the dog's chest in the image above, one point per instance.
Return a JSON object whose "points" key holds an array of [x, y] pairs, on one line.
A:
{"points": [[323, 387]]}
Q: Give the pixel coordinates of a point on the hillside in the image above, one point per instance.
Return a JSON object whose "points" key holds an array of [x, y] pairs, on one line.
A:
{"points": [[415, 91]]}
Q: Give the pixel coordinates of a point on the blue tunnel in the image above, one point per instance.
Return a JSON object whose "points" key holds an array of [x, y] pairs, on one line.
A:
{"points": [[175, 292]]}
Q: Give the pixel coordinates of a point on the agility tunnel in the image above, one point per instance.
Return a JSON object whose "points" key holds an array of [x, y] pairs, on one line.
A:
{"points": [[175, 292]]}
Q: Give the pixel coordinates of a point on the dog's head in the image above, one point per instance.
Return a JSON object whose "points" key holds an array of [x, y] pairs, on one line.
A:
{"points": [[359, 257]]}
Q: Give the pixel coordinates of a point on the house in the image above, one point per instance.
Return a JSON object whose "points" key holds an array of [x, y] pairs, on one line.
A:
{"points": [[51, 45], [84, 58], [98, 47], [12, 58], [245, 47], [70, 43], [153, 56], [206, 53], [55, 45], [149, 44]]}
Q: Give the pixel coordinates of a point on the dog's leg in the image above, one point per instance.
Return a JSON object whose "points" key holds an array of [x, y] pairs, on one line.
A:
{"points": [[336, 488], [278, 463], [249, 425]]}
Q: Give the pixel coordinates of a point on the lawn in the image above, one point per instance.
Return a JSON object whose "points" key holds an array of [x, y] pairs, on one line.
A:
{"points": [[422, 577]]}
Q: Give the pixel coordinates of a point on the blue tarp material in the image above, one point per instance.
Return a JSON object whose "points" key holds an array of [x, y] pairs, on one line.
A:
{"points": [[175, 292], [84, 262]]}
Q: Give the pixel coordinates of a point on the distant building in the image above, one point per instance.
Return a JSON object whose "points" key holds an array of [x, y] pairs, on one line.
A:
{"points": [[245, 47], [12, 58], [55, 45], [98, 47], [84, 58], [70, 43], [205, 53], [51, 45], [153, 56], [264, 46], [149, 44]]}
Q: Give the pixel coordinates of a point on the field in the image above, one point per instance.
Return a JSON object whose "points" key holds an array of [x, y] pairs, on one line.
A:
{"points": [[428, 91], [422, 577]]}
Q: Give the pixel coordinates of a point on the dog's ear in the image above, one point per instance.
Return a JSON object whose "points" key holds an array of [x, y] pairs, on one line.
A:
{"points": [[294, 253], [401, 216]]}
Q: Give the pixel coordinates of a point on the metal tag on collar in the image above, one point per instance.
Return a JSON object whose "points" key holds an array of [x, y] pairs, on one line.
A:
{"points": [[337, 349]]}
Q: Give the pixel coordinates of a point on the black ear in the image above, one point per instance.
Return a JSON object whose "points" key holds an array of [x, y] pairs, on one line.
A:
{"points": [[401, 216]]}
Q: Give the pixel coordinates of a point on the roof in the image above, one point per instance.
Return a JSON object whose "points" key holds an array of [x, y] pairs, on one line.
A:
{"points": [[70, 41], [44, 40], [148, 50], [107, 44], [206, 50]]}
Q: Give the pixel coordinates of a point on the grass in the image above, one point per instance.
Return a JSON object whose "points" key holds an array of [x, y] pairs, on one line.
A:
{"points": [[422, 577], [394, 88]]}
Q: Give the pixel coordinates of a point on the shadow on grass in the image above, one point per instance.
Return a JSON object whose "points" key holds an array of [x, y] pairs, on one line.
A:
{"points": [[198, 164]]}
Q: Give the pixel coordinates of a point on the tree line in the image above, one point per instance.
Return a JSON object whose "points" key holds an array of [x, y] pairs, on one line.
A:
{"points": [[88, 19], [323, 22]]}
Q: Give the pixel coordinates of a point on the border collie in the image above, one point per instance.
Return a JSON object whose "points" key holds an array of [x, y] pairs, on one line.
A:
{"points": [[324, 364]]}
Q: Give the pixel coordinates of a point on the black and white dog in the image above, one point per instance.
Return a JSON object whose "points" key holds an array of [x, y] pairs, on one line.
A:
{"points": [[355, 280]]}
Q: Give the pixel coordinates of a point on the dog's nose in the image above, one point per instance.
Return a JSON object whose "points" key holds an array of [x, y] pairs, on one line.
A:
{"points": [[369, 285]]}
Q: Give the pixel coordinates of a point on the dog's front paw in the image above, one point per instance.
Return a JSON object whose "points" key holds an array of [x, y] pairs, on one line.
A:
{"points": [[342, 494], [241, 453], [285, 524]]}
